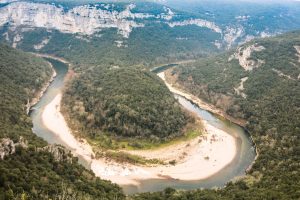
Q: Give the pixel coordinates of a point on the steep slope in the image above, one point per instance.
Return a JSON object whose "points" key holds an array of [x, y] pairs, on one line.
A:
{"points": [[270, 104], [146, 33], [244, 20], [28, 167], [121, 33]]}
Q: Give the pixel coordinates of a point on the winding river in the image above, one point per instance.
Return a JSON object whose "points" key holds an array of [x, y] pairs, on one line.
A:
{"points": [[245, 154]]}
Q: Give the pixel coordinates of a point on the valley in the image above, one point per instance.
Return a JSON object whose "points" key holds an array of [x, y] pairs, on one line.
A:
{"points": [[149, 100], [200, 153]]}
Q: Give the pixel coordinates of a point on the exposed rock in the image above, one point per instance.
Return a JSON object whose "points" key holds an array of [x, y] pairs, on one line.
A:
{"points": [[8, 147], [120, 44], [243, 55], [197, 22], [265, 34], [59, 153], [169, 14], [6, 36], [242, 17], [85, 19], [231, 35], [218, 44], [16, 40], [240, 88], [42, 44], [281, 74]]}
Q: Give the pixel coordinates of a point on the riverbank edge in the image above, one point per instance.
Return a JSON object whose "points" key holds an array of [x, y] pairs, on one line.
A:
{"points": [[211, 108], [32, 102], [156, 176]]}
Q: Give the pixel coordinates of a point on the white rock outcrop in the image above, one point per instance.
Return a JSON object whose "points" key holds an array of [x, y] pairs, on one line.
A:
{"points": [[18, 38], [239, 90], [8, 147], [231, 35], [60, 154], [243, 55], [42, 44], [84, 19], [281, 74], [169, 14], [197, 22]]}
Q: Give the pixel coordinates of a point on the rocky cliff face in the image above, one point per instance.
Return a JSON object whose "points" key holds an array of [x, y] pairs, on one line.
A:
{"points": [[89, 19], [59, 153], [85, 19], [8, 147]]}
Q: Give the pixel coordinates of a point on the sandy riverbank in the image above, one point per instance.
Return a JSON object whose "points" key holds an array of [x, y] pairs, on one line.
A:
{"points": [[54, 121], [203, 156], [199, 102]]}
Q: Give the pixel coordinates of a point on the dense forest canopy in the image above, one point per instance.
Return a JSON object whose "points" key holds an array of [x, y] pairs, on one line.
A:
{"points": [[128, 102], [32, 172], [271, 107]]}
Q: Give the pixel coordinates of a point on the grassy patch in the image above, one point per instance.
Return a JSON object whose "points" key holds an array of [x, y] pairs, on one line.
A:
{"points": [[109, 142], [122, 157]]}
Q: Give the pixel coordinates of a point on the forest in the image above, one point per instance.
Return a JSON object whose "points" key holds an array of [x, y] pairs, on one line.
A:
{"points": [[271, 109], [33, 172], [125, 102], [114, 95]]}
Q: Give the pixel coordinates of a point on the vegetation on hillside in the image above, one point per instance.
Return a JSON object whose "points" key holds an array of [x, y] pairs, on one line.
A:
{"points": [[272, 110], [31, 172], [111, 98]]}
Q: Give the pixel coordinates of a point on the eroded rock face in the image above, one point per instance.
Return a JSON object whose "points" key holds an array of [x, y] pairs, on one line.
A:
{"points": [[85, 19], [59, 153], [42, 44], [239, 90], [231, 35], [243, 55], [197, 22], [8, 147], [82, 19]]}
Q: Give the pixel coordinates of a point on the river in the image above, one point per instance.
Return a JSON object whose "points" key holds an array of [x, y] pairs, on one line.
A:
{"points": [[244, 157]]}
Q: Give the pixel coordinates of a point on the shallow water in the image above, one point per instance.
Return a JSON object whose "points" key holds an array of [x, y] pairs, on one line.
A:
{"points": [[244, 157]]}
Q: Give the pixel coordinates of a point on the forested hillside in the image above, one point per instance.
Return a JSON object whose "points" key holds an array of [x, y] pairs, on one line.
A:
{"points": [[121, 33], [269, 101], [113, 96], [28, 169], [125, 102], [146, 38]]}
